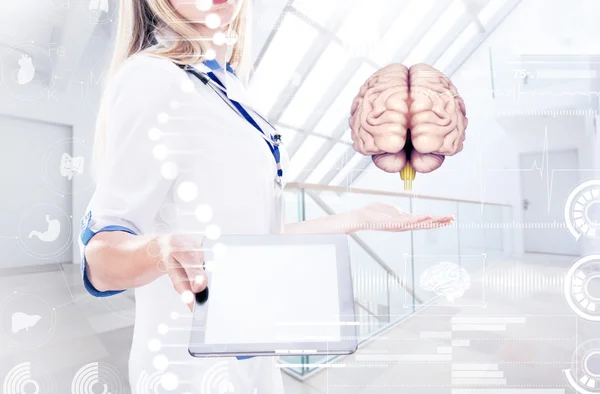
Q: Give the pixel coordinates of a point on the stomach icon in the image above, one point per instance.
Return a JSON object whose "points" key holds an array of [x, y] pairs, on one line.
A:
{"points": [[51, 234]]}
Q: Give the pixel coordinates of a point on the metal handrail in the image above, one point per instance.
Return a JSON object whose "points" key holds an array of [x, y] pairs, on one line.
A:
{"points": [[312, 190], [355, 190], [367, 249]]}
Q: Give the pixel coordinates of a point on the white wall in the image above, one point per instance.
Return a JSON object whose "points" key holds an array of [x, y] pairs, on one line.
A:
{"points": [[29, 193], [71, 102]]}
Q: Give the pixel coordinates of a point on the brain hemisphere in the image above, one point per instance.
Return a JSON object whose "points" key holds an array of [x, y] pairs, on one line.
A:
{"points": [[395, 100], [379, 116]]}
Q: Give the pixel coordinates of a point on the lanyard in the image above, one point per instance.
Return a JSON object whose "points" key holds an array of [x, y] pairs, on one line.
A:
{"points": [[211, 80]]}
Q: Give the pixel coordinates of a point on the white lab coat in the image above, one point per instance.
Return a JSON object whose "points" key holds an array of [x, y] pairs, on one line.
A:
{"points": [[173, 145]]}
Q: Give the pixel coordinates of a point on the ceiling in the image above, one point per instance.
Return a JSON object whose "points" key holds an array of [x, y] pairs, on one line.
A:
{"points": [[310, 58], [331, 47]]}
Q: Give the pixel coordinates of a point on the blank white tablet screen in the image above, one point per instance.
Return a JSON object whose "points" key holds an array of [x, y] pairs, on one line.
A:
{"points": [[271, 294]]}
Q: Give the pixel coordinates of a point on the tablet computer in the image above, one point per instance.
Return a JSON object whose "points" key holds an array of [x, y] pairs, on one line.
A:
{"points": [[275, 295]]}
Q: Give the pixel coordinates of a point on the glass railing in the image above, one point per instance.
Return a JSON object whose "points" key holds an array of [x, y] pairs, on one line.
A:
{"points": [[387, 266]]}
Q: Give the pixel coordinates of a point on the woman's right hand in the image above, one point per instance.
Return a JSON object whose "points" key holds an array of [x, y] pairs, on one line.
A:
{"points": [[182, 256]]}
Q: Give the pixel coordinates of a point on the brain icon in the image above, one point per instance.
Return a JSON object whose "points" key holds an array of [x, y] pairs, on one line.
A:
{"points": [[446, 279], [403, 115]]}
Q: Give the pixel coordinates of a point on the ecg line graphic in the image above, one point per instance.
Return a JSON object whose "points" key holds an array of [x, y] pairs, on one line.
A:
{"points": [[543, 168]]}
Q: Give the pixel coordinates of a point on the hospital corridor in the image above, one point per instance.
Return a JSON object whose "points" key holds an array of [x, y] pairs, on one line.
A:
{"points": [[299, 197]]}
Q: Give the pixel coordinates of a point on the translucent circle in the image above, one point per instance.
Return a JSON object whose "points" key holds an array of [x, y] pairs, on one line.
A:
{"points": [[187, 85], [219, 249], [154, 134], [579, 212], [219, 38], [210, 54], [591, 287], [592, 212], [154, 249], [163, 329], [212, 21], [160, 152], [169, 381], [578, 279], [231, 38], [592, 363], [203, 213], [154, 345], [161, 362], [204, 5], [187, 296], [174, 315], [169, 170], [162, 266], [163, 117], [168, 212], [213, 231], [187, 191]]}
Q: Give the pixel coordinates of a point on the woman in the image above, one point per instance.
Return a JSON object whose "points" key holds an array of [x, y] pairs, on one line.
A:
{"points": [[178, 163]]}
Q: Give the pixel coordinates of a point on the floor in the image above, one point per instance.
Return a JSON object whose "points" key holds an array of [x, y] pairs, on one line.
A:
{"points": [[515, 338], [512, 332]]}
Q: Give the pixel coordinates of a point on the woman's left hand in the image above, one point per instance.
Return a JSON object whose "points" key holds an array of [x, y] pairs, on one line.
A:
{"points": [[387, 217]]}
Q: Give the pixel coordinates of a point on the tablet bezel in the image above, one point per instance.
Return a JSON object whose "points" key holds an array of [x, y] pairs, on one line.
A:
{"points": [[348, 331]]}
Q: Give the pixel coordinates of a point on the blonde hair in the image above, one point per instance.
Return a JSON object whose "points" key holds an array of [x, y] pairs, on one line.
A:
{"points": [[140, 21]]}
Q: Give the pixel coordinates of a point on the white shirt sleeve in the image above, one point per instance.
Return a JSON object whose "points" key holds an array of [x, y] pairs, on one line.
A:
{"points": [[131, 186]]}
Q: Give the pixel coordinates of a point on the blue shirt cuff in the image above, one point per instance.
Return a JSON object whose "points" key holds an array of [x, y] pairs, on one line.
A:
{"points": [[86, 235]]}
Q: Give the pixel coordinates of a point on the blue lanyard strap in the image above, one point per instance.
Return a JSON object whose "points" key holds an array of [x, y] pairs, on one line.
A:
{"points": [[240, 108], [274, 148]]}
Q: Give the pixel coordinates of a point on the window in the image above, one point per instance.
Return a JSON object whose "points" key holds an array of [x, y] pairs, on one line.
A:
{"points": [[340, 109], [361, 29], [490, 10], [277, 67], [316, 84], [307, 151], [347, 171], [327, 164], [439, 29], [287, 135], [454, 50], [318, 10], [412, 16]]}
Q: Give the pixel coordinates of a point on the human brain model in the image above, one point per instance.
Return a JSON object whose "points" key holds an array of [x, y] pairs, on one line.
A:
{"points": [[408, 120]]}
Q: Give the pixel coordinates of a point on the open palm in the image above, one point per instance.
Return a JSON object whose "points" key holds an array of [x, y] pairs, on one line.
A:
{"points": [[387, 217]]}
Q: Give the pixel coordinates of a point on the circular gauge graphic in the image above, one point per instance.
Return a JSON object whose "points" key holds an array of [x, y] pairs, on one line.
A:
{"points": [[584, 375], [26, 320], [95, 378], [582, 287], [582, 210], [28, 378], [149, 383], [220, 378]]}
